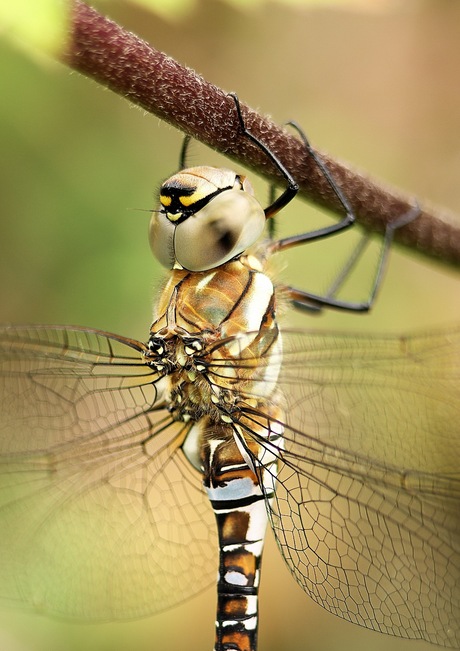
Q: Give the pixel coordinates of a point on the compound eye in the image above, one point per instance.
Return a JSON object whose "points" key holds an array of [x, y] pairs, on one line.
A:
{"points": [[161, 238], [225, 227]]}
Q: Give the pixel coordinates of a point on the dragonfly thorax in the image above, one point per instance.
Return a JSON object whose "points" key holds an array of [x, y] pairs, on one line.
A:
{"points": [[216, 356], [188, 389]]}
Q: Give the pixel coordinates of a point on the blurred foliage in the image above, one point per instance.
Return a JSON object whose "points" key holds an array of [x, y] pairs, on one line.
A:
{"points": [[37, 26], [179, 8], [41, 25], [77, 164]]}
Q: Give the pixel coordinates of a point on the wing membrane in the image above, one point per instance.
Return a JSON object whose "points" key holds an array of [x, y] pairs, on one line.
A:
{"points": [[367, 505], [94, 488], [101, 516]]}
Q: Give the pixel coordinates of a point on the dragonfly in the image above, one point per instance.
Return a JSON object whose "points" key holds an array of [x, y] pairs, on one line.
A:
{"points": [[131, 472]]}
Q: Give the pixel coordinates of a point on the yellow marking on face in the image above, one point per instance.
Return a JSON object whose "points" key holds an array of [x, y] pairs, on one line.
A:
{"points": [[173, 216], [189, 200], [165, 201]]}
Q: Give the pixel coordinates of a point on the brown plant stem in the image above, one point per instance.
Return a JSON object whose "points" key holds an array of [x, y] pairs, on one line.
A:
{"points": [[101, 49]]}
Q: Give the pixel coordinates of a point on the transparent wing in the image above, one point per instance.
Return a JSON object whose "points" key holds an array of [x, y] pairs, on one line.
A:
{"points": [[101, 516], [367, 505]]}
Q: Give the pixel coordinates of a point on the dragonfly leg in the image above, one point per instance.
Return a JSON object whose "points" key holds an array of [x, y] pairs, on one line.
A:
{"points": [[348, 219], [292, 187], [184, 152], [314, 302]]}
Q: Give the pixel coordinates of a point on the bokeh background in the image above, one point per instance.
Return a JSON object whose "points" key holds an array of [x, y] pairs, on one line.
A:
{"points": [[372, 82]]}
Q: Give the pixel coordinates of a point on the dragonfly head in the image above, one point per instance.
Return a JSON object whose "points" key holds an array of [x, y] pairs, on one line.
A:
{"points": [[207, 217]]}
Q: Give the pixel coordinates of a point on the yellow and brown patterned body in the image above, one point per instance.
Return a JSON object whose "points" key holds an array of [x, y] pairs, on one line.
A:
{"points": [[217, 343]]}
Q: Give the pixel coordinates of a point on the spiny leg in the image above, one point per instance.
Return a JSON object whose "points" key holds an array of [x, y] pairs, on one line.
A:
{"points": [[292, 188], [313, 302]]}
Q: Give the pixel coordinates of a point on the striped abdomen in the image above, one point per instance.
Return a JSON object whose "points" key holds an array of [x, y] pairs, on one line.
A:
{"points": [[239, 475]]}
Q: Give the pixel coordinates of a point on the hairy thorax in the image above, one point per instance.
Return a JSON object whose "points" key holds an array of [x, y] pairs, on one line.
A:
{"points": [[215, 341]]}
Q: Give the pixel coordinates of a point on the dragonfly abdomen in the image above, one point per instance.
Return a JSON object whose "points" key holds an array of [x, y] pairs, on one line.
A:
{"points": [[238, 500]]}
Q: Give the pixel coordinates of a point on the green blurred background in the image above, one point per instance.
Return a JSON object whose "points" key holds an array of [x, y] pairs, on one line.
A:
{"points": [[374, 83]]}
